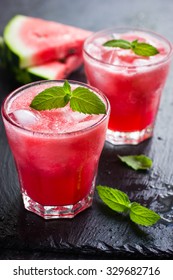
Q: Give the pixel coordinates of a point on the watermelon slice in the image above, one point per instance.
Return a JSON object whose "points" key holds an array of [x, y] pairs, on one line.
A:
{"points": [[34, 41], [53, 70], [56, 69]]}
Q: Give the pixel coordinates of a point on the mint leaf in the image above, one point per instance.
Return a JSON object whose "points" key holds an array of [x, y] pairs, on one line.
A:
{"points": [[81, 99], [85, 101], [134, 43], [137, 162], [119, 202], [123, 44], [67, 87], [142, 215], [142, 49], [115, 199], [49, 98]]}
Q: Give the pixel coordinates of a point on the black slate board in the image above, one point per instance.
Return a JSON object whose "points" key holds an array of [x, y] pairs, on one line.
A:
{"points": [[98, 232]]}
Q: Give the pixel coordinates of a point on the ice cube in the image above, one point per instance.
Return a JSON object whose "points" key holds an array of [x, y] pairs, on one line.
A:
{"points": [[78, 117], [24, 117]]}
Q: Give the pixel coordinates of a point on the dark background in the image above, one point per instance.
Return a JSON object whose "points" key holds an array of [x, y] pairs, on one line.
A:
{"points": [[97, 233]]}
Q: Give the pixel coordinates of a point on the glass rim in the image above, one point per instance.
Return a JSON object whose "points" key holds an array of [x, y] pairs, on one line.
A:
{"points": [[6, 116], [123, 28]]}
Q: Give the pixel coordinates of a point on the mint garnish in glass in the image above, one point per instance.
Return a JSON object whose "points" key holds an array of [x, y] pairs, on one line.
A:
{"points": [[139, 48], [81, 99], [119, 202]]}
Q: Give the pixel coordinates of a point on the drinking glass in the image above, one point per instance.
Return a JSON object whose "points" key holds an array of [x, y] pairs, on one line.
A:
{"points": [[132, 83], [56, 169]]}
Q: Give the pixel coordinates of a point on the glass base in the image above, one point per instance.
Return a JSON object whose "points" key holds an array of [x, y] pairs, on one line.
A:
{"points": [[133, 138], [57, 212]]}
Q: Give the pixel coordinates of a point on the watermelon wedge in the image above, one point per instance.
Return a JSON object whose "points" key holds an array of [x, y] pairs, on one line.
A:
{"points": [[56, 69], [33, 41], [53, 70]]}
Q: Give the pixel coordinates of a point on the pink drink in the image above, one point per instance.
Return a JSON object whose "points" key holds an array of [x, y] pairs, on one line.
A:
{"points": [[132, 83], [56, 152]]}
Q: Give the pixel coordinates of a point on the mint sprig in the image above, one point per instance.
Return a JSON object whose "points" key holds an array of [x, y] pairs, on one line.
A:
{"points": [[119, 202], [139, 48], [137, 162], [81, 99]]}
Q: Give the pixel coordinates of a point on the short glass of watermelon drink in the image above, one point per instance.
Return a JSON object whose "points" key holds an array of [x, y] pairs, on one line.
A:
{"points": [[132, 82], [56, 151]]}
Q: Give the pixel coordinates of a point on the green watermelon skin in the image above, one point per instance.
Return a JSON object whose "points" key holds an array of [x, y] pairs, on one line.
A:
{"points": [[2, 53], [38, 41]]}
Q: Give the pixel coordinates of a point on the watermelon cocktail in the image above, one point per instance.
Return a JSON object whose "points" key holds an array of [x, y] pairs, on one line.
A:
{"points": [[56, 151], [132, 82]]}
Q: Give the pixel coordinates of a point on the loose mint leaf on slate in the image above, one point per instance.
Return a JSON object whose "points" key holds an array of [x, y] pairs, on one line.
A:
{"points": [[123, 44], [119, 202], [137, 162], [50, 98], [85, 101], [114, 199], [142, 215]]}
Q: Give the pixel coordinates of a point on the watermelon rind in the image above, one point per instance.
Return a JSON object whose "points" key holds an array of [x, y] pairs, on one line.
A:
{"points": [[2, 53], [18, 52]]}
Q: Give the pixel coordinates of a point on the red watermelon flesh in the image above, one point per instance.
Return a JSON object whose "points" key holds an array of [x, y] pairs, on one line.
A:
{"points": [[36, 41]]}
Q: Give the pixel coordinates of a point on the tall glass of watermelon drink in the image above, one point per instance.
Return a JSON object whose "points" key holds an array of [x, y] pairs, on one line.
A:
{"points": [[132, 82], [56, 151]]}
